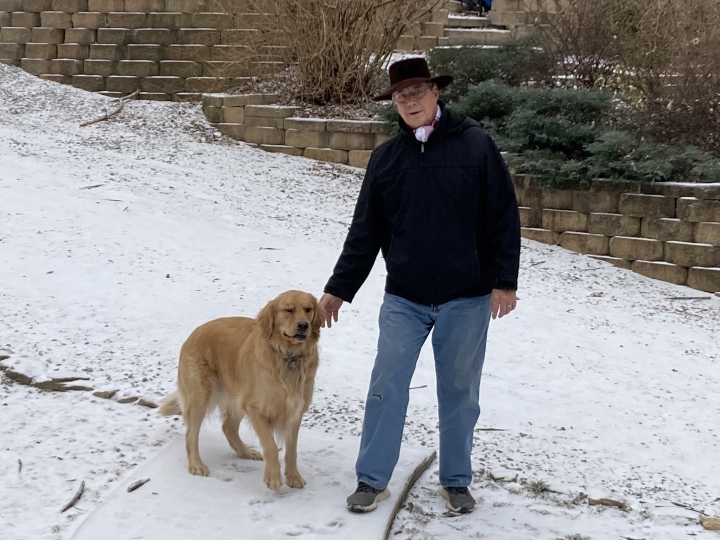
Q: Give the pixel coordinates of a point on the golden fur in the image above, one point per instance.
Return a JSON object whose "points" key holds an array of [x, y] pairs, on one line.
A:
{"points": [[262, 368]]}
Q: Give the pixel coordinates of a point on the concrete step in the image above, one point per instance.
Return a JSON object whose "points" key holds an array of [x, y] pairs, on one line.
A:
{"points": [[479, 36], [467, 21]]}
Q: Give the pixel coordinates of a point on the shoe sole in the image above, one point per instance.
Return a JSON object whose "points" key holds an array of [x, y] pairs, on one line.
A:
{"points": [[446, 496], [369, 508]]}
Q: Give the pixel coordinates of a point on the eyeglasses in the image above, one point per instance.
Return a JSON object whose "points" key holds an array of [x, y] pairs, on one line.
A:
{"points": [[414, 93]]}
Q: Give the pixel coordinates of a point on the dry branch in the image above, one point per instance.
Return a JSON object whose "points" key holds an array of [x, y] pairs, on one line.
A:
{"points": [[75, 498], [116, 111], [135, 485], [608, 502], [339, 46]]}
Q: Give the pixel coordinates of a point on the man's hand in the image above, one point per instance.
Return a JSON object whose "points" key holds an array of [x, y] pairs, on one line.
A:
{"points": [[502, 302], [331, 304]]}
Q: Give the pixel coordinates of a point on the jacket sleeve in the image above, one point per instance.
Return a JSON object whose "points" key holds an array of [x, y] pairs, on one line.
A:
{"points": [[362, 243], [503, 219]]}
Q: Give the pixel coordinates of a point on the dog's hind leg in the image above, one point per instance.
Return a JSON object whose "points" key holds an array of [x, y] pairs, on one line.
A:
{"points": [[196, 392], [193, 419], [230, 427]]}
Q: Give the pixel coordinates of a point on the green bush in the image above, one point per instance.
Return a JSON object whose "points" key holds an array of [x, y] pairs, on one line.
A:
{"points": [[569, 137], [515, 63]]}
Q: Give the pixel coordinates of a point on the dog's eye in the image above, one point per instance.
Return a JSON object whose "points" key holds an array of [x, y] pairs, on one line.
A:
{"points": [[308, 310], [290, 310]]}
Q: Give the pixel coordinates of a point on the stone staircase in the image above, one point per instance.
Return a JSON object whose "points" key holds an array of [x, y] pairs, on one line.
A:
{"points": [[166, 49]]}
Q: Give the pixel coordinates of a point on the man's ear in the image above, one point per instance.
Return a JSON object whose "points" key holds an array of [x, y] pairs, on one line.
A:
{"points": [[266, 319]]}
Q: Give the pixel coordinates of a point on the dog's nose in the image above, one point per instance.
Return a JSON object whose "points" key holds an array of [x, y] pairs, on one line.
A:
{"points": [[302, 326]]}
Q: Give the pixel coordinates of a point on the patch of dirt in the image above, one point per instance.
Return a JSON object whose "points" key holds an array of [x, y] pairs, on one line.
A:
{"points": [[286, 84]]}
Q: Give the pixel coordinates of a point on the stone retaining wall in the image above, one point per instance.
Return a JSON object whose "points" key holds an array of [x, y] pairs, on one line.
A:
{"points": [[664, 231], [253, 118], [167, 49]]}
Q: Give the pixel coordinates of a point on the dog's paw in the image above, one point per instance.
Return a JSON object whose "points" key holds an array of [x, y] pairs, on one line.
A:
{"points": [[273, 479], [294, 480], [198, 469], [251, 454]]}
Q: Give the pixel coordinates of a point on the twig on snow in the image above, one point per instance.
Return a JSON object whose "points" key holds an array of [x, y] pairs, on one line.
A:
{"points": [[116, 111], [75, 498], [19, 465], [138, 484], [686, 507], [689, 298], [418, 387]]}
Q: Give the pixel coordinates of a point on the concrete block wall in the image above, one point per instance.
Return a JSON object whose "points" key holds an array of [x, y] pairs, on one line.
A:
{"points": [[665, 231], [167, 49], [254, 118]]}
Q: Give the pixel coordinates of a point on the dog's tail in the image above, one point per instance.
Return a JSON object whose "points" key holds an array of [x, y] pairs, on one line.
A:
{"points": [[170, 405]]}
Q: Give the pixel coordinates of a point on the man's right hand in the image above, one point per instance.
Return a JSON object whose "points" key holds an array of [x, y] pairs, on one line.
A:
{"points": [[331, 304]]}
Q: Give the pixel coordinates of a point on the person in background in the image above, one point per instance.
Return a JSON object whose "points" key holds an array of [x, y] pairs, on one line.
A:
{"points": [[438, 201]]}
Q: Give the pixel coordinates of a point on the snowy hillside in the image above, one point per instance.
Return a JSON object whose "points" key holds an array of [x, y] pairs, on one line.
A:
{"points": [[117, 239]]}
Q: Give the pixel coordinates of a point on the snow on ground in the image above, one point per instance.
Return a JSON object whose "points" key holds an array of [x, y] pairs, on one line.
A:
{"points": [[117, 239]]}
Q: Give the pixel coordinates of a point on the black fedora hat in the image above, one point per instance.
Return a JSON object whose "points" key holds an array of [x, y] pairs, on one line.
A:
{"points": [[408, 72]]}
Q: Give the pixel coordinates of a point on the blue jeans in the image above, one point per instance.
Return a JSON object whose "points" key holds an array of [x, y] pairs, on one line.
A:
{"points": [[459, 339]]}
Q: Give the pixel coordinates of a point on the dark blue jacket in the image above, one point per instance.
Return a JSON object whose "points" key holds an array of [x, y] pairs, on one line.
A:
{"points": [[443, 213]]}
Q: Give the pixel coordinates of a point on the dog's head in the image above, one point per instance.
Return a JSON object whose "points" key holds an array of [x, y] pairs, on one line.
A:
{"points": [[294, 316]]}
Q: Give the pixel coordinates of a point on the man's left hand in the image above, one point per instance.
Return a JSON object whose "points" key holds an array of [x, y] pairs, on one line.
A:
{"points": [[502, 302]]}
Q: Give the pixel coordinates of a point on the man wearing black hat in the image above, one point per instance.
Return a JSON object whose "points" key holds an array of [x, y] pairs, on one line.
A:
{"points": [[438, 201]]}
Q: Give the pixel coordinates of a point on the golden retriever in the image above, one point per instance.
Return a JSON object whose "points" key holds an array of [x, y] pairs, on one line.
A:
{"points": [[262, 368]]}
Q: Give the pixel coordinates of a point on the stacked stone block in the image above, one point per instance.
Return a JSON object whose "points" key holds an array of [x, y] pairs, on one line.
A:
{"points": [[166, 49], [669, 232], [254, 118]]}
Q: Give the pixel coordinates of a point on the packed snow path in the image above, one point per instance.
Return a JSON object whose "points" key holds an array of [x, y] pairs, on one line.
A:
{"points": [[117, 239]]}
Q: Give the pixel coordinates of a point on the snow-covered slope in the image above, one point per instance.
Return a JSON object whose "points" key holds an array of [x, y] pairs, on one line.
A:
{"points": [[117, 239]]}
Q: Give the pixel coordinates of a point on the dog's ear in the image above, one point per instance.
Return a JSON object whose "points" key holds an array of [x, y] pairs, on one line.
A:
{"points": [[266, 319], [319, 317]]}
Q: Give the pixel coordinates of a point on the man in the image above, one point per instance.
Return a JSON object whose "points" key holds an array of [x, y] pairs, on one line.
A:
{"points": [[438, 201]]}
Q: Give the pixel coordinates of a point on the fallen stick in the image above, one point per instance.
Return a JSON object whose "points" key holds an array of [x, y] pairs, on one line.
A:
{"points": [[76, 498], [116, 111], [19, 465], [689, 298], [608, 502], [406, 489], [132, 487], [686, 507], [418, 387]]}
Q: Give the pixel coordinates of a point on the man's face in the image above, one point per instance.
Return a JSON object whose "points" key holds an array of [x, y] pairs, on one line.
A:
{"points": [[417, 104]]}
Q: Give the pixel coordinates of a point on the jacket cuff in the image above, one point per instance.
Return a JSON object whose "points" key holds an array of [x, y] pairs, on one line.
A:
{"points": [[337, 290], [506, 285]]}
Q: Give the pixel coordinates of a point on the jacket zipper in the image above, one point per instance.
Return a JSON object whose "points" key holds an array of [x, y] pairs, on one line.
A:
{"points": [[432, 282]]}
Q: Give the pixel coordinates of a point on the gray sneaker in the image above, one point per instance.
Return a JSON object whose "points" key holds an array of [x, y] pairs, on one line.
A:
{"points": [[366, 498], [458, 499]]}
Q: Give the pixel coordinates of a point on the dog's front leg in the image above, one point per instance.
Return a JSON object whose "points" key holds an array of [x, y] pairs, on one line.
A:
{"points": [[291, 472], [272, 477]]}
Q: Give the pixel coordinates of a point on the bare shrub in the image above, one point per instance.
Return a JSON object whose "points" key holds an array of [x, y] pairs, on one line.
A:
{"points": [[339, 46], [662, 57]]}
